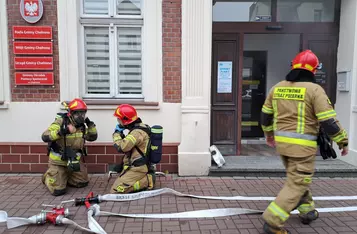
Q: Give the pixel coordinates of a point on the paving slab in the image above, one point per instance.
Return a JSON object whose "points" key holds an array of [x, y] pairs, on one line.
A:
{"points": [[22, 196]]}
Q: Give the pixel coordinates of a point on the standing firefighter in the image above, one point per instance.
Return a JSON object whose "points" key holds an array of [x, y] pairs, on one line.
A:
{"points": [[136, 172], [66, 137], [291, 116]]}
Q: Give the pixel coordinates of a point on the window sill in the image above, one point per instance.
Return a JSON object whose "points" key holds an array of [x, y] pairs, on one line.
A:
{"points": [[110, 104]]}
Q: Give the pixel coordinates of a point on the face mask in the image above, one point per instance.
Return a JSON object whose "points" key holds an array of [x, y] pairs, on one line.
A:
{"points": [[79, 117]]}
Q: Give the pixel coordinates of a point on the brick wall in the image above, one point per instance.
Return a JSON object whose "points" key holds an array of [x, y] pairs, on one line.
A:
{"points": [[171, 29], [171, 52], [32, 158], [49, 18]]}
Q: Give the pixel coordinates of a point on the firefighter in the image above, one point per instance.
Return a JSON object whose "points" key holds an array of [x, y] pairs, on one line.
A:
{"points": [[66, 138], [291, 116], [135, 174]]}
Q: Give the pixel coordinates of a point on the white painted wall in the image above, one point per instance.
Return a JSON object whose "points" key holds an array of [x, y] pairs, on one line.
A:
{"points": [[281, 49], [346, 103], [26, 121]]}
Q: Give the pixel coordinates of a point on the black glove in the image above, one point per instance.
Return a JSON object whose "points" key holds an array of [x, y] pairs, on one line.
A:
{"points": [[151, 169], [70, 155], [74, 166], [326, 148], [88, 122], [63, 131], [118, 168]]}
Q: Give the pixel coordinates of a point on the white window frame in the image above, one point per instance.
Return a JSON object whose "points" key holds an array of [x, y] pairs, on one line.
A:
{"points": [[71, 54], [4, 57], [112, 11], [112, 21]]}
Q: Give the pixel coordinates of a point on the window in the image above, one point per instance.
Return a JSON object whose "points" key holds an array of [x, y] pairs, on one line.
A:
{"points": [[241, 11], [112, 38], [306, 10], [317, 15]]}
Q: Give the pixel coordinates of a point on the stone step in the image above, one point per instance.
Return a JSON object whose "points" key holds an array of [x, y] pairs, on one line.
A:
{"points": [[271, 166]]}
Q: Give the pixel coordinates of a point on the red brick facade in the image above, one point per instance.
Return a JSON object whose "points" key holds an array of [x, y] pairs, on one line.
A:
{"points": [[49, 18], [171, 39], [31, 157]]}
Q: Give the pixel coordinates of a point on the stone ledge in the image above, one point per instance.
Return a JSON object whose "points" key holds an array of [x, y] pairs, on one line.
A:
{"points": [[271, 166], [280, 174]]}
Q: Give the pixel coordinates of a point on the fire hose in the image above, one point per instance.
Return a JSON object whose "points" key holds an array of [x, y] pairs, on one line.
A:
{"points": [[94, 210], [210, 213], [92, 223], [146, 194], [59, 215]]}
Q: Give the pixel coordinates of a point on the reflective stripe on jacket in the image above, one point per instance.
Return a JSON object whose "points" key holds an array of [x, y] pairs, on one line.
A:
{"points": [[293, 112]]}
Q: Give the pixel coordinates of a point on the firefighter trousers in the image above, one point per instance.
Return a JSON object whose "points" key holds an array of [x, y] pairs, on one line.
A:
{"points": [[57, 177], [295, 192], [133, 179]]}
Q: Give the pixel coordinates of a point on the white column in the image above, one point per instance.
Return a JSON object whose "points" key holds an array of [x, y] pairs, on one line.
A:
{"points": [[193, 155], [4, 56], [68, 42], [346, 102]]}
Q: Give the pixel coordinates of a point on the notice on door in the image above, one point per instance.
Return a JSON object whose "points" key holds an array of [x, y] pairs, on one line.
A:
{"points": [[224, 79]]}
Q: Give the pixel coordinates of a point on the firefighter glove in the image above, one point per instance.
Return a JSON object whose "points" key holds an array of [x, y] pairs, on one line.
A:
{"points": [[73, 166], [88, 122], [64, 131], [119, 129]]}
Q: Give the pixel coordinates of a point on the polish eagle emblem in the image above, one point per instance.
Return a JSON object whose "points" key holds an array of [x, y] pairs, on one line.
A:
{"points": [[31, 8]]}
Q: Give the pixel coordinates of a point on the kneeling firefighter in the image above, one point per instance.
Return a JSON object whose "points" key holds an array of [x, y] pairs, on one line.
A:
{"points": [[142, 146], [292, 114], [66, 138]]}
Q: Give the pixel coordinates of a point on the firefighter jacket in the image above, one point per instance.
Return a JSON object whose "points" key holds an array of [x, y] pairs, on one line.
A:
{"points": [[75, 141], [137, 137], [293, 112]]}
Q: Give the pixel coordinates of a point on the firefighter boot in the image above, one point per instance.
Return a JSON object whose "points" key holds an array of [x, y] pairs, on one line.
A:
{"points": [[309, 217], [274, 230]]}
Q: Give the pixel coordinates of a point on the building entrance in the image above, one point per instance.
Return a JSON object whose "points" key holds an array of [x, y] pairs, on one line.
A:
{"points": [[253, 44]]}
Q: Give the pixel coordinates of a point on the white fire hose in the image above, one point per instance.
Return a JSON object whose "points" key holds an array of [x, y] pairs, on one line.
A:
{"points": [[94, 210], [153, 193], [92, 223], [210, 213]]}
